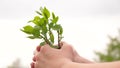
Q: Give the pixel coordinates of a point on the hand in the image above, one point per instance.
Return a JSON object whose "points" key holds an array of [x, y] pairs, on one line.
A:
{"points": [[53, 58], [75, 56], [79, 59]]}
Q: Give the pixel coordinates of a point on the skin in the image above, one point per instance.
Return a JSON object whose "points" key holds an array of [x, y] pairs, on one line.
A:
{"points": [[95, 65], [66, 57], [66, 49]]}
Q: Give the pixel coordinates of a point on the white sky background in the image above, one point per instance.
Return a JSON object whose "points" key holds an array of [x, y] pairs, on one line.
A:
{"points": [[86, 23]]}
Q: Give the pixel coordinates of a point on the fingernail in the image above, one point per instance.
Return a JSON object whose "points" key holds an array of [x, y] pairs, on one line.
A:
{"points": [[38, 48]]}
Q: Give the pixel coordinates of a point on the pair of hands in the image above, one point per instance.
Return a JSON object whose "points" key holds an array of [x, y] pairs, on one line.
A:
{"points": [[47, 57]]}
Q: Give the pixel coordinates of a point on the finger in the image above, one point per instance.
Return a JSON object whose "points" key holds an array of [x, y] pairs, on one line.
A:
{"points": [[32, 65], [38, 48], [34, 58], [66, 46], [35, 52], [46, 48], [46, 51]]}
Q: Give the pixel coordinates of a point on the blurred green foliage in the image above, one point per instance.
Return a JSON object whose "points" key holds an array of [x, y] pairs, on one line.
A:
{"points": [[112, 52]]}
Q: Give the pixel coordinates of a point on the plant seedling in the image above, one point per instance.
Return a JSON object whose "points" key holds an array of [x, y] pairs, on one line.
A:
{"points": [[45, 27]]}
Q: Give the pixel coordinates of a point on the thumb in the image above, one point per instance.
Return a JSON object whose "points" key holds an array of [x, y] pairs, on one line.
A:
{"points": [[45, 48], [66, 47]]}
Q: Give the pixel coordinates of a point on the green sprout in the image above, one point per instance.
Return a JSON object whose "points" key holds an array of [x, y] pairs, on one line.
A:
{"points": [[45, 27]]}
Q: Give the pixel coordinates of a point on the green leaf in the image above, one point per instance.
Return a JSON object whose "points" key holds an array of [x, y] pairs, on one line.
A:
{"points": [[51, 25], [41, 9], [44, 30], [43, 24], [38, 13], [56, 27], [51, 37], [36, 31], [53, 15], [55, 20], [31, 37], [30, 21], [36, 20], [45, 21], [42, 43], [46, 13], [27, 29], [61, 30], [41, 21]]}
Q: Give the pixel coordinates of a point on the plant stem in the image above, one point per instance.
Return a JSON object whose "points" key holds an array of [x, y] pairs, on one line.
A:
{"points": [[46, 40], [58, 40]]}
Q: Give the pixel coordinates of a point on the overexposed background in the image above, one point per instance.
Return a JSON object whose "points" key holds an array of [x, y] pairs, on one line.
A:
{"points": [[86, 24]]}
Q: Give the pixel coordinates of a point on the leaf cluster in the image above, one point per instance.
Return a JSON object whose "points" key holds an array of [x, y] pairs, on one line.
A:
{"points": [[44, 26]]}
